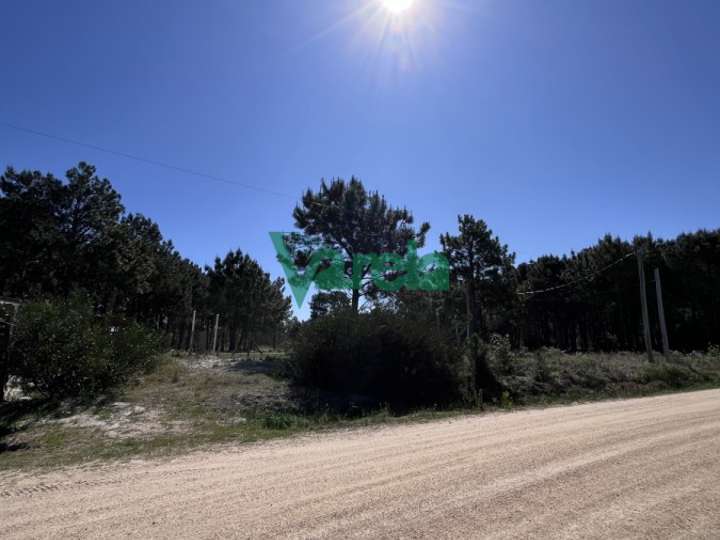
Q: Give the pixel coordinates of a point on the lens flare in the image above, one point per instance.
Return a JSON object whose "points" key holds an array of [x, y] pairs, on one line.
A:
{"points": [[397, 6]]}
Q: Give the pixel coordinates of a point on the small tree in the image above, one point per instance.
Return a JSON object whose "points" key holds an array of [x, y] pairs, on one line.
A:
{"points": [[61, 349], [482, 265]]}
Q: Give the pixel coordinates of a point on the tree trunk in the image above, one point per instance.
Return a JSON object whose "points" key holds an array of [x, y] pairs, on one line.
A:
{"points": [[473, 314], [355, 300], [233, 338], [468, 310], [4, 360], [4, 377]]}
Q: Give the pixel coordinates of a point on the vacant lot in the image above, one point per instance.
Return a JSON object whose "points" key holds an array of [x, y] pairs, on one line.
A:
{"points": [[191, 402], [642, 467], [186, 403]]}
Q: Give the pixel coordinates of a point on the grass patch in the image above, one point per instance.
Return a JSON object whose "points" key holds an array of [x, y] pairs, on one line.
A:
{"points": [[180, 407]]}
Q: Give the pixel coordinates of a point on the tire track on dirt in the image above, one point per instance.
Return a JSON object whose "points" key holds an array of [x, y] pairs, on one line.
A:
{"points": [[531, 471]]}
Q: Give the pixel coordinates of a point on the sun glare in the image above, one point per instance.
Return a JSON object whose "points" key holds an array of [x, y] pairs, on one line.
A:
{"points": [[397, 6]]}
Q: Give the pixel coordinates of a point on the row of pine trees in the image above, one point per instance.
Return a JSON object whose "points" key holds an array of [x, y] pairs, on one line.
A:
{"points": [[61, 236]]}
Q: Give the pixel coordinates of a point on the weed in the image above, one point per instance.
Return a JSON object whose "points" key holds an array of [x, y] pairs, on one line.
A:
{"points": [[278, 421], [506, 401]]}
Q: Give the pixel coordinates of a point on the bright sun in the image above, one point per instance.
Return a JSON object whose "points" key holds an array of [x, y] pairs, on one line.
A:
{"points": [[396, 6]]}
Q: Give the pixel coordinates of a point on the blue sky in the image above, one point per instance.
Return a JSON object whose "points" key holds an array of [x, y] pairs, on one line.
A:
{"points": [[555, 121]]}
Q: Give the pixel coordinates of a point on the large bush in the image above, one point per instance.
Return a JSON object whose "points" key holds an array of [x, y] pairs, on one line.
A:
{"points": [[378, 357], [62, 349]]}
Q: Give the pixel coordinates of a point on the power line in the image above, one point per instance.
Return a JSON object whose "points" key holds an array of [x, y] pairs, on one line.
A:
{"points": [[584, 278], [205, 176], [154, 162]]}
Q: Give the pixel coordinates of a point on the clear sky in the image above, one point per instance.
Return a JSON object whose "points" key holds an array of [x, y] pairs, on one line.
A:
{"points": [[555, 121]]}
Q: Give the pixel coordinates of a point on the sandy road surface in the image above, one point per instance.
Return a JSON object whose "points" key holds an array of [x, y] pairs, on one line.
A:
{"points": [[645, 467]]}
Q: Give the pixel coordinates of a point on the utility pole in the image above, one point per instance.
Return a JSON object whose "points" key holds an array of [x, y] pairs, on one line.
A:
{"points": [[661, 315], [217, 321], [643, 302], [192, 333]]}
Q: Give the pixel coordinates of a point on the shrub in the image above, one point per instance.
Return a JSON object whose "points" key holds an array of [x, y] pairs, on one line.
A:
{"points": [[501, 355], [482, 375], [675, 376], [378, 357], [61, 349], [543, 374], [283, 421], [506, 401]]}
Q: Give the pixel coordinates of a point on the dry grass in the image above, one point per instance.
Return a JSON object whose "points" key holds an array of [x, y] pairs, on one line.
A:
{"points": [[549, 375], [191, 402], [186, 403]]}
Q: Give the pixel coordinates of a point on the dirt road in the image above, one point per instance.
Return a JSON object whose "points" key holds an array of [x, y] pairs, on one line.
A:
{"points": [[645, 467]]}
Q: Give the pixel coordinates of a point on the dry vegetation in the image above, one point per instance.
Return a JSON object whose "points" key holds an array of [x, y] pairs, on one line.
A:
{"points": [[189, 402], [549, 375], [186, 403]]}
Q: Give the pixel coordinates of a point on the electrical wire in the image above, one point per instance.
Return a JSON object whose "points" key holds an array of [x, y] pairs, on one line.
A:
{"points": [[584, 278], [154, 162]]}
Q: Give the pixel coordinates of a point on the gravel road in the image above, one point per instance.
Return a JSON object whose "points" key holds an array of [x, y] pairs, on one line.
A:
{"points": [[634, 468]]}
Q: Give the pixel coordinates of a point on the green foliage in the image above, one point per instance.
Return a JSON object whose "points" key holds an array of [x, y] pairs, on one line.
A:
{"points": [[378, 357], [543, 375], [54, 235], [550, 374], [326, 302], [501, 356], [247, 298], [351, 220], [483, 267], [61, 349], [673, 375], [590, 298], [283, 421], [133, 349], [483, 379], [506, 401], [57, 237]]}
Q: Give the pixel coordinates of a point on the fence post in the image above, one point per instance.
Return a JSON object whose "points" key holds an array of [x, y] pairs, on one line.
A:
{"points": [[192, 333], [217, 321]]}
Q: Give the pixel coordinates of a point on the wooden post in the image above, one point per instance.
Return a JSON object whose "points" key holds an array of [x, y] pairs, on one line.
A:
{"points": [[4, 352], [643, 302], [661, 315], [217, 321], [192, 333]]}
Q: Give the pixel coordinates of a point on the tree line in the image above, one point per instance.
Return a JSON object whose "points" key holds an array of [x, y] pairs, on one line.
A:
{"points": [[587, 301], [61, 237]]}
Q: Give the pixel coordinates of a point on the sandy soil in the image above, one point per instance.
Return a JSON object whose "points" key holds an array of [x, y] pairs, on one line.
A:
{"points": [[635, 468]]}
